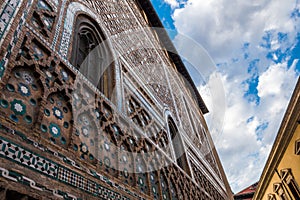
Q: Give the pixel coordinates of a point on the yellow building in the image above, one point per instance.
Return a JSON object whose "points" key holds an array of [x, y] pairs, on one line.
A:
{"points": [[281, 176]]}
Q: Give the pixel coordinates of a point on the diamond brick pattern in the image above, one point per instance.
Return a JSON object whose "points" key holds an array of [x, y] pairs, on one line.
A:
{"points": [[30, 160]]}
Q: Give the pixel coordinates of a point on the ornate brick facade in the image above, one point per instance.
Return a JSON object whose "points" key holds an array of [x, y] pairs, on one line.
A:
{"points": [[63, 136]]}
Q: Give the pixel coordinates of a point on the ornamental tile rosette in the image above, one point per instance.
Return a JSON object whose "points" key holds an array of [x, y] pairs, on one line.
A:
{"points": [[18, 107], [54, 130]]}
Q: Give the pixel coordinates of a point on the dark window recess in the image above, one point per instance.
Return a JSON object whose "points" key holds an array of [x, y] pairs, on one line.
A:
{"points": [[271, 197], [297, 147], [178, 147], [91, 54], [283, 197], [294, 189], [289, 180], [6, 194]]}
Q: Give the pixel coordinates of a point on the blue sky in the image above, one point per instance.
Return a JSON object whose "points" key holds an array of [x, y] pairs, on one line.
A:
{"points": [[255, 46]]}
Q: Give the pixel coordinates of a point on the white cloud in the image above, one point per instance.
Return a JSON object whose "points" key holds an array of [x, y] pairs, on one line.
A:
{"points": [[238, 141], [223, 27], [242, 152], [273, 101], [172, 3], [271, 82]]}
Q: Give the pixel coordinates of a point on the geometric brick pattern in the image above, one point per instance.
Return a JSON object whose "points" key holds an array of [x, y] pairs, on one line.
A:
{"points": [[33, 161], [7, 15], [76, 180], [17, 32], [28, 159]]}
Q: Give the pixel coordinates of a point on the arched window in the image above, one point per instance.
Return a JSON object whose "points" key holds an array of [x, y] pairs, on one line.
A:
{"points": [[178, 146], [91, 54]]}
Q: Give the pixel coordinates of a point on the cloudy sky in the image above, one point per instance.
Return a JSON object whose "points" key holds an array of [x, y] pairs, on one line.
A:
{"points": [[255, 46]]}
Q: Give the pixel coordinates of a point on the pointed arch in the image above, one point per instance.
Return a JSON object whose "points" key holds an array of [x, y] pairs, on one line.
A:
{"points": [[57, 120], [20, 98], [141, 174], [126, 163], [91, 54], [87, 36], [178, 147], [164, 186], [173, 190]]}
